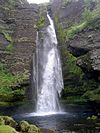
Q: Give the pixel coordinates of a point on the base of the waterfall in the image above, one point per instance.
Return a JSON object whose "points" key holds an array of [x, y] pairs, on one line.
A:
{"points": [[44, 113]]}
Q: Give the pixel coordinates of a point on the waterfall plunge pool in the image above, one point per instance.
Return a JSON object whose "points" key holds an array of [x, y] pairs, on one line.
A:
{"points": [[73, 121]]}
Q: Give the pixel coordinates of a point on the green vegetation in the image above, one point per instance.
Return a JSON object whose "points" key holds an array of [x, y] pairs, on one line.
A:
{"points": [[71, 32], [9, 85], [93, 117], [7, 129], [93, 95], [9, 125], [90, 20], [78, 89], [10, 48], [8, 37], [40, 22]]}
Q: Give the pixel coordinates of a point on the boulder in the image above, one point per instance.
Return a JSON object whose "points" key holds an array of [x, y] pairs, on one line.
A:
{"points": [[24, 126], [9, 121], [2, 121], [34, 129]]}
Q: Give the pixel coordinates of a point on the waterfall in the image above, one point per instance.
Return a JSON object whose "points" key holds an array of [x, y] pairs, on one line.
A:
{"points": [[48, 71]]}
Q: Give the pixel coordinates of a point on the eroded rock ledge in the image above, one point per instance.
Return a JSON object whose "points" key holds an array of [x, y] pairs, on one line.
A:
{"points": [[86, 46]]}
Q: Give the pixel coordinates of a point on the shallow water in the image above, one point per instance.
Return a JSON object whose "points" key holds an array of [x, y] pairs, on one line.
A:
{"points": [[72, 120], [63, 123]]}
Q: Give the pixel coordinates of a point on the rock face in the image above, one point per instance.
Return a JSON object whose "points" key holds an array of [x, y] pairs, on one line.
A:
{"points": [[79, 46], [86, 45], [24, 37], [17, 37], [67, 12]]}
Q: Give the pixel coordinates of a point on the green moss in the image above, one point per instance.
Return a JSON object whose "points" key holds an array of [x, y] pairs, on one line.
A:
{"points": [[75, 99], [24, 125], [83, 90], [74, 92], [7, 36], [90, 20], [10, 48], [93, 117], [72, 31], [7, 84], [93, 95], [71, 63], [87, 15], [40, 22], [7, 129], [60, 31]]}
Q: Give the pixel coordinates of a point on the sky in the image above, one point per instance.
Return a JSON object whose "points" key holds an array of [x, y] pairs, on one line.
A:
{"points": [[37, 1]]}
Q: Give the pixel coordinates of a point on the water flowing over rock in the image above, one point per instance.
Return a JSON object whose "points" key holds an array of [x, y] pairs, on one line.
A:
{"points": [[48, 71]]}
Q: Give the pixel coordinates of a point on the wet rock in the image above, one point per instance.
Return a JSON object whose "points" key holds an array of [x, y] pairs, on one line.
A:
{"points": [[24, 126], [33, 129], [9, 121]]}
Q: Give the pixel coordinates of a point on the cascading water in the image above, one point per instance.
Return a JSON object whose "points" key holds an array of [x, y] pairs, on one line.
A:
{"points": [[48, 71]]}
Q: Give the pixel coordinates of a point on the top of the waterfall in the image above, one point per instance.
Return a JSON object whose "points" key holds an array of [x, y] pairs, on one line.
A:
{"points": [[51, 30], [38, 1]]}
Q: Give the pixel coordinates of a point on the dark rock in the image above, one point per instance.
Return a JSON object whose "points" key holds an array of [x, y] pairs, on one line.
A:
{"points": [[86, 45], [33, 129], [68, 12], [90, 63], [84, 42]]}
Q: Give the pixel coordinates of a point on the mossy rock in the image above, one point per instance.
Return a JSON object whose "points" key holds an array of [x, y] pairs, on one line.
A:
{"points": [[7, 129], [24, 126], [2, 121], [8, 121], [34, 129]]}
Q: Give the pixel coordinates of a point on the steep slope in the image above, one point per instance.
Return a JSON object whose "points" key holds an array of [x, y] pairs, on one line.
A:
{"points": [[17, 44], [77, 26]]}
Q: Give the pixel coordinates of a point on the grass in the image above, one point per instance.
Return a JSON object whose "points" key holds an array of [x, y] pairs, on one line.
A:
{"points": [[7, 129]]}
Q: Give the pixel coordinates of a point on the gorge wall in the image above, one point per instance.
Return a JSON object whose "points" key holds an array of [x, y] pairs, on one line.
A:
{"points": [[78, 28], [17, 44]]}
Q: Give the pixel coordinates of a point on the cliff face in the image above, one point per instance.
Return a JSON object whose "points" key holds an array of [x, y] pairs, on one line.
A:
{"points": [[68, 12], [77, 25], [17, 45], [86, 45]]}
